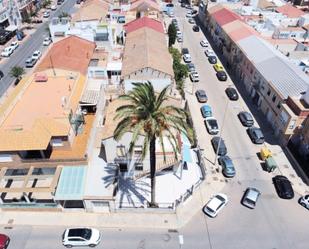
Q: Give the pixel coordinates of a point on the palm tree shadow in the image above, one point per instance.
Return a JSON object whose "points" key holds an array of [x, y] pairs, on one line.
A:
{"points": [[111, 174], [131, 193]]}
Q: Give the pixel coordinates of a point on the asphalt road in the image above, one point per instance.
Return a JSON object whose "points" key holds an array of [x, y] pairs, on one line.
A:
{"points": [[27, 48], [275, 223]]}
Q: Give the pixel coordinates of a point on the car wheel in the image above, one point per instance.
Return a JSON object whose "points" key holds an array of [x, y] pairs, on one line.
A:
{"points": [[92, 245], [68, 246]]}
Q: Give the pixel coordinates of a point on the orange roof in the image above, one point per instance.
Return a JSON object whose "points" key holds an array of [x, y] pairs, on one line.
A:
{"points": [[41, 111], [91, 10], [290, 11], [72, 53], [144, 5]]}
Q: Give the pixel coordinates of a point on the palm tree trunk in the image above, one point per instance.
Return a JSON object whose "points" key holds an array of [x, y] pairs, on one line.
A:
{"points": [[152, 155]]}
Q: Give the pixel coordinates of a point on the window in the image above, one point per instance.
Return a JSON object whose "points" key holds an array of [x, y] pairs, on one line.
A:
{"points": [[274, 98], [268, 92], [279, 105], [292, 124], [139, 166]]}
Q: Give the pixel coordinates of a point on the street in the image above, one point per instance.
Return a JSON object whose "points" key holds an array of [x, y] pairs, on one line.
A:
{"points": [[27, 48], [274, 223]]}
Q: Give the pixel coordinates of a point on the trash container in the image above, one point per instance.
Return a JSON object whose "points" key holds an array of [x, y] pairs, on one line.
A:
{"points": [[265, 153]]}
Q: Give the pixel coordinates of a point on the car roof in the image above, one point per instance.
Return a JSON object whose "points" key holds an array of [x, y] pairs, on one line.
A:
{"points": [[206, 107], [214, 203], [252, 193], [201, 91], [247, 115]]}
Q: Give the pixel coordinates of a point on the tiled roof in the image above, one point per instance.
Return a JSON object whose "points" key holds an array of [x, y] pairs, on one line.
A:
{"points": [[145, 5], [224, 16], [290, 11], [238, 30], [146, 48], [91, 10], [284, 76], [72, 53], [144, 22]]}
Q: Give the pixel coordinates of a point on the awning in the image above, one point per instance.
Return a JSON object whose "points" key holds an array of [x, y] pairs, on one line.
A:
{"points": [[11, 28], [71, 183], [90, 97], [114, 66]]}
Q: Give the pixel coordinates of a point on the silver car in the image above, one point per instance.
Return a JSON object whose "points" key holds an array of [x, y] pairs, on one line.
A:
{"points": [[250, 197]]}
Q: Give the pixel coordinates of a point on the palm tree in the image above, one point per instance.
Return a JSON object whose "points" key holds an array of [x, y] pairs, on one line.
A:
{"points": [[145, 114]]}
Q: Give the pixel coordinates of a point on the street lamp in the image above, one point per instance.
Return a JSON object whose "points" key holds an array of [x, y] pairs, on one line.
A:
{"points": [[221, 130]]}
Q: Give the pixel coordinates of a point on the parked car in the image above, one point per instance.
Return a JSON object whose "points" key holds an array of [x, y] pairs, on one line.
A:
{"points": [[206, 111], [191, 67], [283, 187], [246, 119], [81, 237], [194, 77], [209, 52], [30, 62], [250, 197], [6, 52], [171, 14], [221, 148], [191, 21], [215, 205], [256, 135], [304, 201], [1, 74], [4, 241], [228, 169], [46, 14], [53, 7], [194, 12], [14, 45], [212, 59], [178, 33], [187, 58], [46, 41], [204, 43], [231, 93], [183, 5], [179, 39], [212, 125], [188, 6], [184, 51], [36, 55], [195, 28], [218, 67], [189, 15], [221, 75], [201, 96], [37, 20]]}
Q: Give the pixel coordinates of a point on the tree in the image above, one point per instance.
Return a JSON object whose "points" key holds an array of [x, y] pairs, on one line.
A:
{"points": [[171, 34], [17, 72], [64, 14], [46, 3], [146, 114]]}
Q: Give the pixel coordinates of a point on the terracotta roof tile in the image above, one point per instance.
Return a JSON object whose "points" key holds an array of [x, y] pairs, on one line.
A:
{"points": [[145, 5], [147, 48], [143, 22], [91, 10], [290, 11], [72, 53], [224, 16]]}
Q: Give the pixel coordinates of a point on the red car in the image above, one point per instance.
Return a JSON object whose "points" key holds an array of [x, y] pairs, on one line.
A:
{"points": [[4, 241]]}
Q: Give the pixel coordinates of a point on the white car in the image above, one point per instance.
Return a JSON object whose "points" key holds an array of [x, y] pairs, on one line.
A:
{"points": [[189, 15], [212, 125], [204, 43], [53, 7], [14, 45], [81, 237], [171, 14], [215, 205], [46, 14], [194, 77], [47, 41], [7, 52], [187, 58], [36, 55], [304, 201], [178, 33], [209, 52]]}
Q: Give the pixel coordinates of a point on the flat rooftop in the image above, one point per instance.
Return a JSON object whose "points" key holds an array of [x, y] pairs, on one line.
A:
{"points": [[41, 107]]}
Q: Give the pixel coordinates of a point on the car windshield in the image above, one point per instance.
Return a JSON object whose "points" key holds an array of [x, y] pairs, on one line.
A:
{"points": [[220, 198], [213, 123], [259, 133], [250, 202], [248, 116], [212, 211], [86, 234]]}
